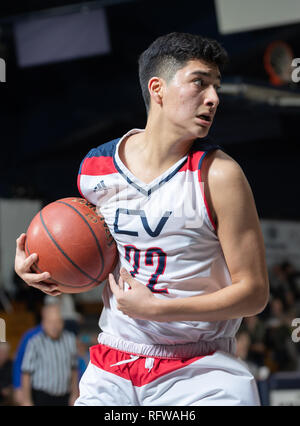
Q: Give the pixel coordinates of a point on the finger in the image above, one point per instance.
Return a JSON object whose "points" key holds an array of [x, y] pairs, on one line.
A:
{"points": [[28, 262], [50, 289], [55, 293], [127, 277], [20, 242], [121, 283], [47, 291], [36, 278], [113, 285]]}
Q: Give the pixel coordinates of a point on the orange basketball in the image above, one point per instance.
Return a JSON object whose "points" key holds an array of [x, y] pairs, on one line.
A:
{"points": [[73, 244]]}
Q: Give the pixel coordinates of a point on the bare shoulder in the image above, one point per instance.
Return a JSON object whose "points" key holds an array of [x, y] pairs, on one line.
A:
{"points": [[222, 169], [225, 184]]}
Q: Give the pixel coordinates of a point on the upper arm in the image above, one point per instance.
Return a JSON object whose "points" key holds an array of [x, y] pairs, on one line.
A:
{"points": [[28, 361], [231, 201]]}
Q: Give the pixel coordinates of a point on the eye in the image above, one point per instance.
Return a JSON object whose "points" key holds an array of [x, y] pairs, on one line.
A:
{"points": [[198, 82]]}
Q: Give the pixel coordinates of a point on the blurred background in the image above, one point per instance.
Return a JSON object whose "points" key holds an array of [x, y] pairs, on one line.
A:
{"points": [[69, 82]]}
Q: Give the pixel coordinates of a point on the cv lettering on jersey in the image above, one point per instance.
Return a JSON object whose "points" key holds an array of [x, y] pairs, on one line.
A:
{"points": [[142, 214], [116, 416]]}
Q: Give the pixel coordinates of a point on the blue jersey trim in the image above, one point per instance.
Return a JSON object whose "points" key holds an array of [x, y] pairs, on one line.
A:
{"points": [[154, 187], [108, 149], [105, 150]]}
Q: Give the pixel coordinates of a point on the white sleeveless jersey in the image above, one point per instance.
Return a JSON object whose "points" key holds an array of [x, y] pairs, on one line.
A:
{"points": [[165, 237]]}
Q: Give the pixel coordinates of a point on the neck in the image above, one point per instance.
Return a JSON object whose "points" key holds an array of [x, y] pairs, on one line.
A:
{"points": [[162, 145]]}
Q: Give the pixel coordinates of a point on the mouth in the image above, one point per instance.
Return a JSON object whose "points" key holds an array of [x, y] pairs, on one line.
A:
{"points": [[204, 119]]}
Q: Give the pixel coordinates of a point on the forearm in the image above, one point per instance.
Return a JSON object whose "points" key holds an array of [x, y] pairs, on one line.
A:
{"points": [[235, 301], [74, 382], [26, 389]]}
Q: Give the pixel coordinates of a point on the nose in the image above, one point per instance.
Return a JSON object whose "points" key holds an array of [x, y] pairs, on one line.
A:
{"points": [[211, 98]]}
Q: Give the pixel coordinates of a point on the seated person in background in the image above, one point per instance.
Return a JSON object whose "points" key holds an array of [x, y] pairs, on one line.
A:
{"points": [[5, 375], [282, 353]]}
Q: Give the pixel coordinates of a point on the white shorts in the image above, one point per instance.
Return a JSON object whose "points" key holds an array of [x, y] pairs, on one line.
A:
{"points": [[118, 378]]}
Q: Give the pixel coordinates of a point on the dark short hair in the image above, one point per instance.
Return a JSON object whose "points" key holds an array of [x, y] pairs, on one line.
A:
{"points": [[170, 52]]}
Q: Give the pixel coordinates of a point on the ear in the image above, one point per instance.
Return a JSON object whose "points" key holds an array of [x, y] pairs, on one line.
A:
{"points": [[155, 87]]}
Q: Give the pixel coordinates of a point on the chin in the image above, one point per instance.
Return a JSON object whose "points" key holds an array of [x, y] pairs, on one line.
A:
{"points": [[201, 133]]}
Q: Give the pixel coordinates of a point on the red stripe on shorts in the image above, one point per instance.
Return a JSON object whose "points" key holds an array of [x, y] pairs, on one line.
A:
{"points": [[104, 357]]}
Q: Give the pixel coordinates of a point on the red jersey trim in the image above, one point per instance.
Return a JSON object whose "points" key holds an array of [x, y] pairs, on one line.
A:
{"points": [[193, 164], [104, 357], [78, 185], [209, 214], [98, 166]]}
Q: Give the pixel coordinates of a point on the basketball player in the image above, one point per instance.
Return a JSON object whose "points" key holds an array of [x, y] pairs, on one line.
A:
{"points": [[192, 258]]}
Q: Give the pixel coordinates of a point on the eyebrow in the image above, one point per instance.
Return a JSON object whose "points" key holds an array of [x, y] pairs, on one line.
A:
{"points": [[205, 74]]}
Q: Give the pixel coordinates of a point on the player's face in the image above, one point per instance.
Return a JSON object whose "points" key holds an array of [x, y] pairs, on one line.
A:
{"points": [[190, 99]]}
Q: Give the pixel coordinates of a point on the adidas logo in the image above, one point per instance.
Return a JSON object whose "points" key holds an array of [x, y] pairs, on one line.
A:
{"points": [[101, 185]]}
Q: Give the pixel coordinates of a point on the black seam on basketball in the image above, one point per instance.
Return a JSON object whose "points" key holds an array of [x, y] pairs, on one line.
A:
{"points": [[57, 282], [93, 233], [36, 268], [66, 256]]}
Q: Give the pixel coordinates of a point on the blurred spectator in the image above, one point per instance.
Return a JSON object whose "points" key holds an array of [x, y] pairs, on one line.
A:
{"points": [[71, 323], [50, 363], [17, 363], [243, 344], [293, 278], [5, 375], [83, 345], [68, 311], [280, 285], [282, 353], [257, 331]]}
